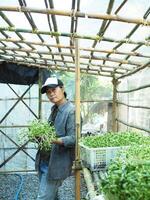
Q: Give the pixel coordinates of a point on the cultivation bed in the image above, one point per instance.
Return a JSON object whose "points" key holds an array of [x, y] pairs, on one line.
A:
{"points": [[97, 159]]}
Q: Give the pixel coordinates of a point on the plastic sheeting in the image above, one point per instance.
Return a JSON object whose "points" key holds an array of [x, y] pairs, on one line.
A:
{"points": [[137, 114], [20, 74]]}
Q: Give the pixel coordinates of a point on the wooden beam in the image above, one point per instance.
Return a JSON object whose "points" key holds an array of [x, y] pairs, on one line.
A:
{"points": [[77, 104], [74, 13]]}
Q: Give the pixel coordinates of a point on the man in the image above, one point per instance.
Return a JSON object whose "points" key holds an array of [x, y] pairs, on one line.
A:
{"points": [[55, 166]]}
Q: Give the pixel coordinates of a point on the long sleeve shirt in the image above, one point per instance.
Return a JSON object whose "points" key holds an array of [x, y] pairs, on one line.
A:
{"points": [[62, 156]]}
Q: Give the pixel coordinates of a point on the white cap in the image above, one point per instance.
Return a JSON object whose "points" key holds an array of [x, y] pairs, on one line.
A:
{"points": [[51, 82]]}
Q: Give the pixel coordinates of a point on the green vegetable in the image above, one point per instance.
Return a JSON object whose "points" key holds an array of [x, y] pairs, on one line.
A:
{"points": [[129, 178], [39, 132], [115, 139]]}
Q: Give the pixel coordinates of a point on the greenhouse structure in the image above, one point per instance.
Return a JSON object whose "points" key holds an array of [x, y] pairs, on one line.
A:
{"points": [[104, 39]]}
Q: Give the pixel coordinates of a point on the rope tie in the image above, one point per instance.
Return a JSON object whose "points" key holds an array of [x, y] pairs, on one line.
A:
{"points": [[35, 30], [127, 40], [86, 16], [19, 9], [144, 22], [114, 51], [100, 38], [11, 28], [73, 13], [90, 57], [72, 37], [147, 44]]}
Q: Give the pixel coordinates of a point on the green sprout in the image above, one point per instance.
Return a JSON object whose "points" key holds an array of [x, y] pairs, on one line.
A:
{"points": [[39, 132]]}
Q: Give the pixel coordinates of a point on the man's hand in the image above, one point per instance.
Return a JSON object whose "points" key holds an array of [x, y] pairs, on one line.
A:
{"points": [[58, 141]]}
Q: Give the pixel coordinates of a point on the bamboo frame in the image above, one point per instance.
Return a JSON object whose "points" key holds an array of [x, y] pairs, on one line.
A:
{"points": [[132, 106], [72, 35], [70, 62], [13, 154], [78, 118], [133, 126], [135, 70], [19, 98], [116, 71], [40, 96], [64, 68], [77, 14], [111, 51], [16, 147], [74, 15], [133, 90], [68, 55], [67, 67], [114, 106]]}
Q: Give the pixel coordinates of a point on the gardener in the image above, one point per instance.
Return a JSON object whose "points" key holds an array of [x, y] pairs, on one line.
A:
{"points": [[55, 166]]}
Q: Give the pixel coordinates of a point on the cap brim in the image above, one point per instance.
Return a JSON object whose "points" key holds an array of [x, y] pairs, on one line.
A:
{"points": [[44, 87]]}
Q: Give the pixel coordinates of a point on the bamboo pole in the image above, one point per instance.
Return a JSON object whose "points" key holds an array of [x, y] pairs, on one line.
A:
{"points": [[15, 126], [132, 106], [23, 149], [33, 113], [111, 51], [37, 61], [133, 90], [76, 14], [89, 183], [58, 60], [18, 171], [71, 35], [13, 154], [12, 107], [61, 68], [77, 104], [133, 126], [116, 60], [13, 148], [135, 70], [40, 95], [12, 99], [114, 125]]}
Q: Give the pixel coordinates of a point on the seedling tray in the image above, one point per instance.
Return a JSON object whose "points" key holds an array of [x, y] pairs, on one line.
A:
{"points": [[99, 158]]}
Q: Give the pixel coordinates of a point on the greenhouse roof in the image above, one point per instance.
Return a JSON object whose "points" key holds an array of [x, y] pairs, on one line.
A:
{"points": [[114, 35]]}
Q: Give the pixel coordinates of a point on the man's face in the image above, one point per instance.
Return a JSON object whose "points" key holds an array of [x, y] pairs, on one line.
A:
{"points": [[55, 95]]}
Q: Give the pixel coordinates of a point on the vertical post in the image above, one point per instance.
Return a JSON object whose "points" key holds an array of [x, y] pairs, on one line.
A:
{"points": [[114, 124], [127, 120], [109, 117], [77, 104], [40, 96]]}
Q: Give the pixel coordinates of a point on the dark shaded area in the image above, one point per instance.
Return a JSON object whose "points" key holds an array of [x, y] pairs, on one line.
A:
{"points": [[21, 74]]}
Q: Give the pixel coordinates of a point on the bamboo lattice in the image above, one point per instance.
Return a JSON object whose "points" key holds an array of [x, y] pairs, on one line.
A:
{"points": [[58, 55]]}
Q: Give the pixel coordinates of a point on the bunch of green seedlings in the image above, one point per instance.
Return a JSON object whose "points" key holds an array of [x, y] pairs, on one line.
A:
{"points": [[130, 178], [39, 132], [114, 139]]}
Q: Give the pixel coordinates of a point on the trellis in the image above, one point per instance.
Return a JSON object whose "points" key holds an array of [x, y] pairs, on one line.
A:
{"points": [[16, 48], [118, 66]]}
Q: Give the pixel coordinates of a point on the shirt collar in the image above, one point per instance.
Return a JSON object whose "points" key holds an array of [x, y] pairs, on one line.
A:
{"points": [[62, 107]]}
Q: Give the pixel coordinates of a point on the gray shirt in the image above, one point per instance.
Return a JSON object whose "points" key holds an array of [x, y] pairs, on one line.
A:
{"points": [[62, 156]]}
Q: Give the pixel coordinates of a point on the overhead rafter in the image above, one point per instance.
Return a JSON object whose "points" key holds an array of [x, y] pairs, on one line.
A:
{"points": [[111, 61]]}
